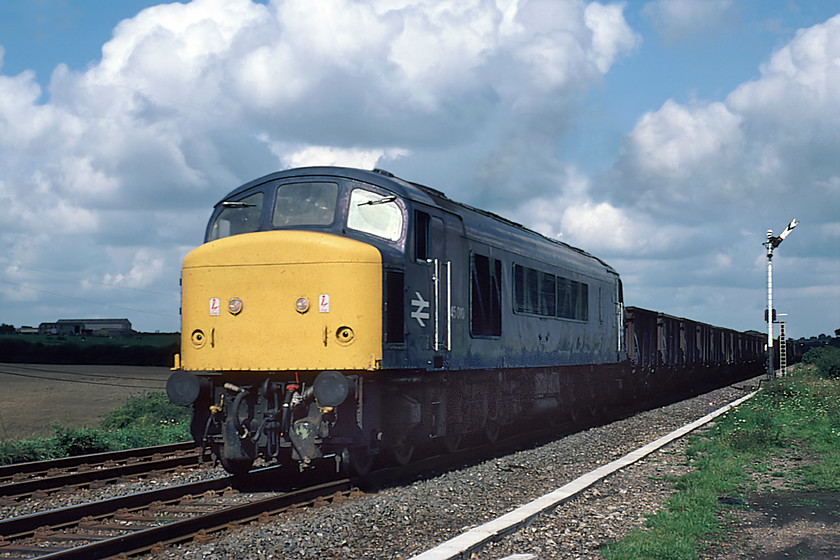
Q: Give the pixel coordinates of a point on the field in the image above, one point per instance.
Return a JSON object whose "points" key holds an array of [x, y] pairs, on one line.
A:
{"points": [[32, 397]]}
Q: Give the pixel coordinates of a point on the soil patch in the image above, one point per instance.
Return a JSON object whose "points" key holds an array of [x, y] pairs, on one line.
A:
{"points": [[33, 396], [779, 520], [782, 525]]}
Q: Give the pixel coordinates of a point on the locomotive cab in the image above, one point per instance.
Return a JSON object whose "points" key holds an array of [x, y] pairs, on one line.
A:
{"points": [[282, 320]]}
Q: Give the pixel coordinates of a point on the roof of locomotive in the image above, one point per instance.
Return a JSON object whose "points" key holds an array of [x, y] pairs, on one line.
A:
{"points": [[479, 224]]}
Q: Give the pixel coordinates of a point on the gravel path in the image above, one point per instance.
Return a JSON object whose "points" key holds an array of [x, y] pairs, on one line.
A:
{"points": [[397, 523]]}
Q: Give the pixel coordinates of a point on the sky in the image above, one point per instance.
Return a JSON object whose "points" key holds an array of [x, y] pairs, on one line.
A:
{"points": [[665, 137]]}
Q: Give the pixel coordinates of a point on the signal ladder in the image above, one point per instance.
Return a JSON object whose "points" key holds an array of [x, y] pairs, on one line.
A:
{"points": [[782, 350]]}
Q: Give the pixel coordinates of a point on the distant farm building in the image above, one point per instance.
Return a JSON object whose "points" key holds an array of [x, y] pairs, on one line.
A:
{"points": [[95, 327]]}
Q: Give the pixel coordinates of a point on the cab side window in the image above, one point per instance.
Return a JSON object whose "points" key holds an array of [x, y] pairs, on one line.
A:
{"points": [[429, 236], [421, 236], [485, 300]]}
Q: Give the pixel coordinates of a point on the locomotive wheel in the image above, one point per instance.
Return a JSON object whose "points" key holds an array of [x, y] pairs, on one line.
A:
{"points": [[355, 461], [236, 467], [492, 429], [585, 415], [198, 422], [403, 452], [452, 441]]}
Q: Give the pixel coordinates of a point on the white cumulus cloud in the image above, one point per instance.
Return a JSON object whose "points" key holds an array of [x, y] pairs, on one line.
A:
{"points": [[112, 169], [189, 100]]}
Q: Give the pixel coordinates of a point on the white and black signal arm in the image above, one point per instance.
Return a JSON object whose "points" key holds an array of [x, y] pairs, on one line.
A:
{"points": [[774, 242]]}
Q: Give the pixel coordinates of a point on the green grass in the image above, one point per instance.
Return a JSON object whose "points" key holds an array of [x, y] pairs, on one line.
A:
{"points": [[142, 421], [801, 411]]}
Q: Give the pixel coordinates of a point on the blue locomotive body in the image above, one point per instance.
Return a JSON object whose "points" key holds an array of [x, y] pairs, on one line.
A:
{"points": [[483, 325]]}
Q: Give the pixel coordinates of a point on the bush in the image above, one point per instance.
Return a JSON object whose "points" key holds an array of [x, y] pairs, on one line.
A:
{"points": [[150, 419], [24, 451], [80, 441], [142, 350], [826, 360], [146, 436], [147, 410], [142, 421]]}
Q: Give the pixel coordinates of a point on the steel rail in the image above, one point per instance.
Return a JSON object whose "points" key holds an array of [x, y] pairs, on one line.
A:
{"points": [[26, 525], [176, 531], [8, 471], [16, 529], [102, 474]]}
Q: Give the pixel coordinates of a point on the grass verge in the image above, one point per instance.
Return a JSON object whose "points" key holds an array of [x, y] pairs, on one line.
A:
{"points": [[801, 411], [149, 419]]}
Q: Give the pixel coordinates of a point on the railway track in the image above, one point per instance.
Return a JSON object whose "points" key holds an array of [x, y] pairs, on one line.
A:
{"points": [[21, 480], [141, 522], [145, 521]]}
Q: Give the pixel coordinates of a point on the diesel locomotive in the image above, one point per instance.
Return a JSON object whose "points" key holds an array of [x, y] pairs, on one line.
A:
{"points": [[348, 314]]}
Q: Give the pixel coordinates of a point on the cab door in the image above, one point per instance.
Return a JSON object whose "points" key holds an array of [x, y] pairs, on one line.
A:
{"points": [[434, 289]]}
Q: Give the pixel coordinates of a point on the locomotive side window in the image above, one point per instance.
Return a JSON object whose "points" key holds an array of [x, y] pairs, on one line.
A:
{"points": [[541, 293], [572, 299], [534, 291], [373, 213], [485, 301], [305, 204], [237, 216]]}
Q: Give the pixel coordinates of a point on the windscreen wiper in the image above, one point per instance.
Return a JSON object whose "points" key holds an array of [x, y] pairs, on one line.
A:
{"points": [[383, 200]]}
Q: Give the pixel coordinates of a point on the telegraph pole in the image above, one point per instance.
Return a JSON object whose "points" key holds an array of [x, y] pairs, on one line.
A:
{"points": [[771, 243]]}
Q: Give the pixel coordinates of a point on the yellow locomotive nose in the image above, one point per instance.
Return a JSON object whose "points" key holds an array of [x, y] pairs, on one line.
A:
{"points": [[282, 300]]}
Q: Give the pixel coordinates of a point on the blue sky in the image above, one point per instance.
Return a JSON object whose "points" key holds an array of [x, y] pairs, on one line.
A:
{"points": [[665, 137]]}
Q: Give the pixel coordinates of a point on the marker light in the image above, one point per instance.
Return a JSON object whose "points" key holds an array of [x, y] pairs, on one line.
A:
{"points": [[235, 306], [302, 305]]}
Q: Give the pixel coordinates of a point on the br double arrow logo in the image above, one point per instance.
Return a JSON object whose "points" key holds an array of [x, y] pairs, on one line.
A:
{"points": [[420, 305]]}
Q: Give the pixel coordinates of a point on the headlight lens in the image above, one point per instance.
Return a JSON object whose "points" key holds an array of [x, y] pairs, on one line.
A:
{"points": [[344, 335], [302, 305], [198, 339]]}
